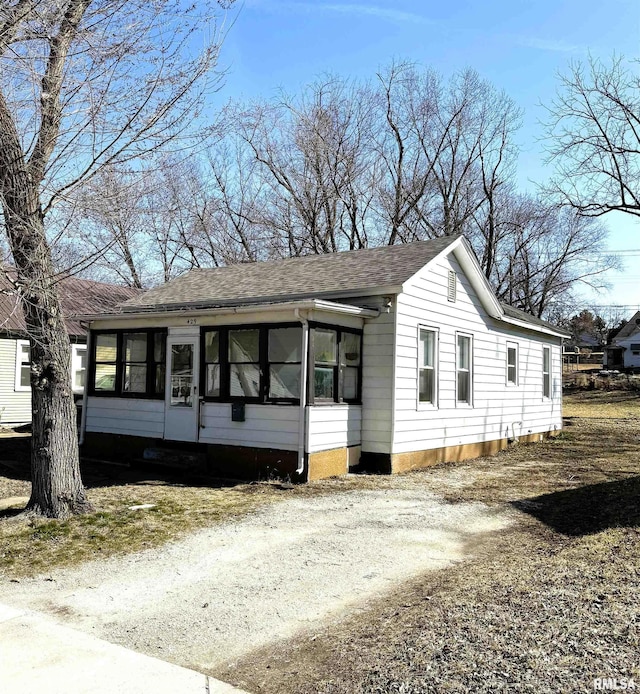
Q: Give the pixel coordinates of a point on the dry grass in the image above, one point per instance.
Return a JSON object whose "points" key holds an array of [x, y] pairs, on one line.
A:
{"points": [[548, 606], [30, 546]]}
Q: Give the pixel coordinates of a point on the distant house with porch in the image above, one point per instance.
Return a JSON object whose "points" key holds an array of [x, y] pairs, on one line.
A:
{"points": [[77, 296], [391, 358]]}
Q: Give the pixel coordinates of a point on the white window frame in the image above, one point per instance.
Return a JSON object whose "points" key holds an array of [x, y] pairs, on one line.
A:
{"points": [[76, 361], [546, 391], [514, 346], [423, 404], [20, 363], [469, 402]]}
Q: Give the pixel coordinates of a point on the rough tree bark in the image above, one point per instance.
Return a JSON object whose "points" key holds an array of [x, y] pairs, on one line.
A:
{"points": [[84, 84], [57, 489]]}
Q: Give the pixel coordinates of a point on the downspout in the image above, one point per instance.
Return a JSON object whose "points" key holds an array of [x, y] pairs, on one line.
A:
{"points": [[304, 380], [85, 396]]}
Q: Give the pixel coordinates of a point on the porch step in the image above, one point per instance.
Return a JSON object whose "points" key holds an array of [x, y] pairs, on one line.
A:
{"points": [[175, 458]]}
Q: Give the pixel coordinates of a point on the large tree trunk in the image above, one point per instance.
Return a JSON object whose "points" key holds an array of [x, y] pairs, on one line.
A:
{"points": [[57, 490]]}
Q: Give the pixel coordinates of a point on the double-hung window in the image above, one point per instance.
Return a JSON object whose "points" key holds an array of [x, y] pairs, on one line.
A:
{"points": [[427, 372], [512, 364], [464, 380], [546, 372], [78, 367], [23, 365]]}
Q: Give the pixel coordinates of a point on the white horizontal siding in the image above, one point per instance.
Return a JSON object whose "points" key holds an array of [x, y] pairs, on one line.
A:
{"points": [[499, 410], [377, 383], [265, 426], [333, 426], [15, 406], [631, 359], [129, 416]]}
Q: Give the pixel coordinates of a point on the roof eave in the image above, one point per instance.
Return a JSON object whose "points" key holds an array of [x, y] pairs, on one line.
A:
{"points": [[555, 332], [309, 304]]}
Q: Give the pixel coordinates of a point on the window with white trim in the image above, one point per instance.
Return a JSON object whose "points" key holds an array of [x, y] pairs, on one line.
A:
{"points": [[464, 381], [512, 363], [78, 367], [23, 365], [427, 368], [546, 372]]}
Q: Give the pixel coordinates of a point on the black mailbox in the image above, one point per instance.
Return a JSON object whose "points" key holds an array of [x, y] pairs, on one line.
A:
{"points": [[237, 412]]}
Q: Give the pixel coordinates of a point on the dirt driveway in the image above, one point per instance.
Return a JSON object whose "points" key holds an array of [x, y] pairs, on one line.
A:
{"points": [[233, 588]]}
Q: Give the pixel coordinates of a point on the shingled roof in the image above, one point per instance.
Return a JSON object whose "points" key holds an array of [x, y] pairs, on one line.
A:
{"points": [[629, 328], [78, 297], [312, 276], [518, 314]]}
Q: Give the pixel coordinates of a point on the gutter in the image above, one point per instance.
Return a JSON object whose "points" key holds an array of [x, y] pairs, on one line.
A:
{"points": [[304, 380]]}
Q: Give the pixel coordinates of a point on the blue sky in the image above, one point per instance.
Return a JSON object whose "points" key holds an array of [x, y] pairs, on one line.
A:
{"points": [[519, 46]]}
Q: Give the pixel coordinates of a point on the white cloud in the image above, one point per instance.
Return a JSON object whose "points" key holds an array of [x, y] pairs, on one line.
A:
{"points": [[553, 45], [383, 13]]}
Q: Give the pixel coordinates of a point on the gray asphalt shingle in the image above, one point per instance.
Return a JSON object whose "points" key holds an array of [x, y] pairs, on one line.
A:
{"points": [[312, 276]]}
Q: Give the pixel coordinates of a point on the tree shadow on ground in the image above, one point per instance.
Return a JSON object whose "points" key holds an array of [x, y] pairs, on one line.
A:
{"points": [[589, 509], [15, 453]]}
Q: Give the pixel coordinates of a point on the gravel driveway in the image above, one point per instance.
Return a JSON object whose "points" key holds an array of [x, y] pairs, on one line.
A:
{"points": [[226, 590]]}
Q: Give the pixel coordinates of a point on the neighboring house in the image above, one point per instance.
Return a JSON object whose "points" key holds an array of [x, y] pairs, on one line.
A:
{"points": [[394, 358], [77, 296], [624, 350]]}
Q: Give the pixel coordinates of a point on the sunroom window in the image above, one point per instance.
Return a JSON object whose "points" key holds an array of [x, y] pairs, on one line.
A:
{"points": [[106, 362], [134, 348], [285, 348], [244, 363], [350, 346], [129, 363], [212, 364], [325, 351], [337, 364]]}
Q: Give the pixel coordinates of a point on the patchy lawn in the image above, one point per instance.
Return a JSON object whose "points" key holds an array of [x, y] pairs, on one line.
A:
{"points": [[550, 605], [171, 509]]}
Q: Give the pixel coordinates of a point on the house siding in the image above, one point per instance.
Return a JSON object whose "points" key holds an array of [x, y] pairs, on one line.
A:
{"points": [[15, 406], [377, 383], [498, 410], [631, 357], [265, 426], [128, 416], [333, 426]]}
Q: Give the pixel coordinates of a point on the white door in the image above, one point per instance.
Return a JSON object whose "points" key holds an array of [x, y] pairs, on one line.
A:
{"points": [[181, 403]]}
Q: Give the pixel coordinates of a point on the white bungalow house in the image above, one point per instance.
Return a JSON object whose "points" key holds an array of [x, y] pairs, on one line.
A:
{"points": [[393, 358], [77, 295], [624, 350]]}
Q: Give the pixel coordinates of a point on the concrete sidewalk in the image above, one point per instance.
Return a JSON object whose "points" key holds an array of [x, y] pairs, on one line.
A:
{"points": [[39, 655]]}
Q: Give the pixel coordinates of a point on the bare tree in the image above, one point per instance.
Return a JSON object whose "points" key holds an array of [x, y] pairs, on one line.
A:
{"points": [[83, 84], [548, 253], [312, 156], [594, 138]]}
